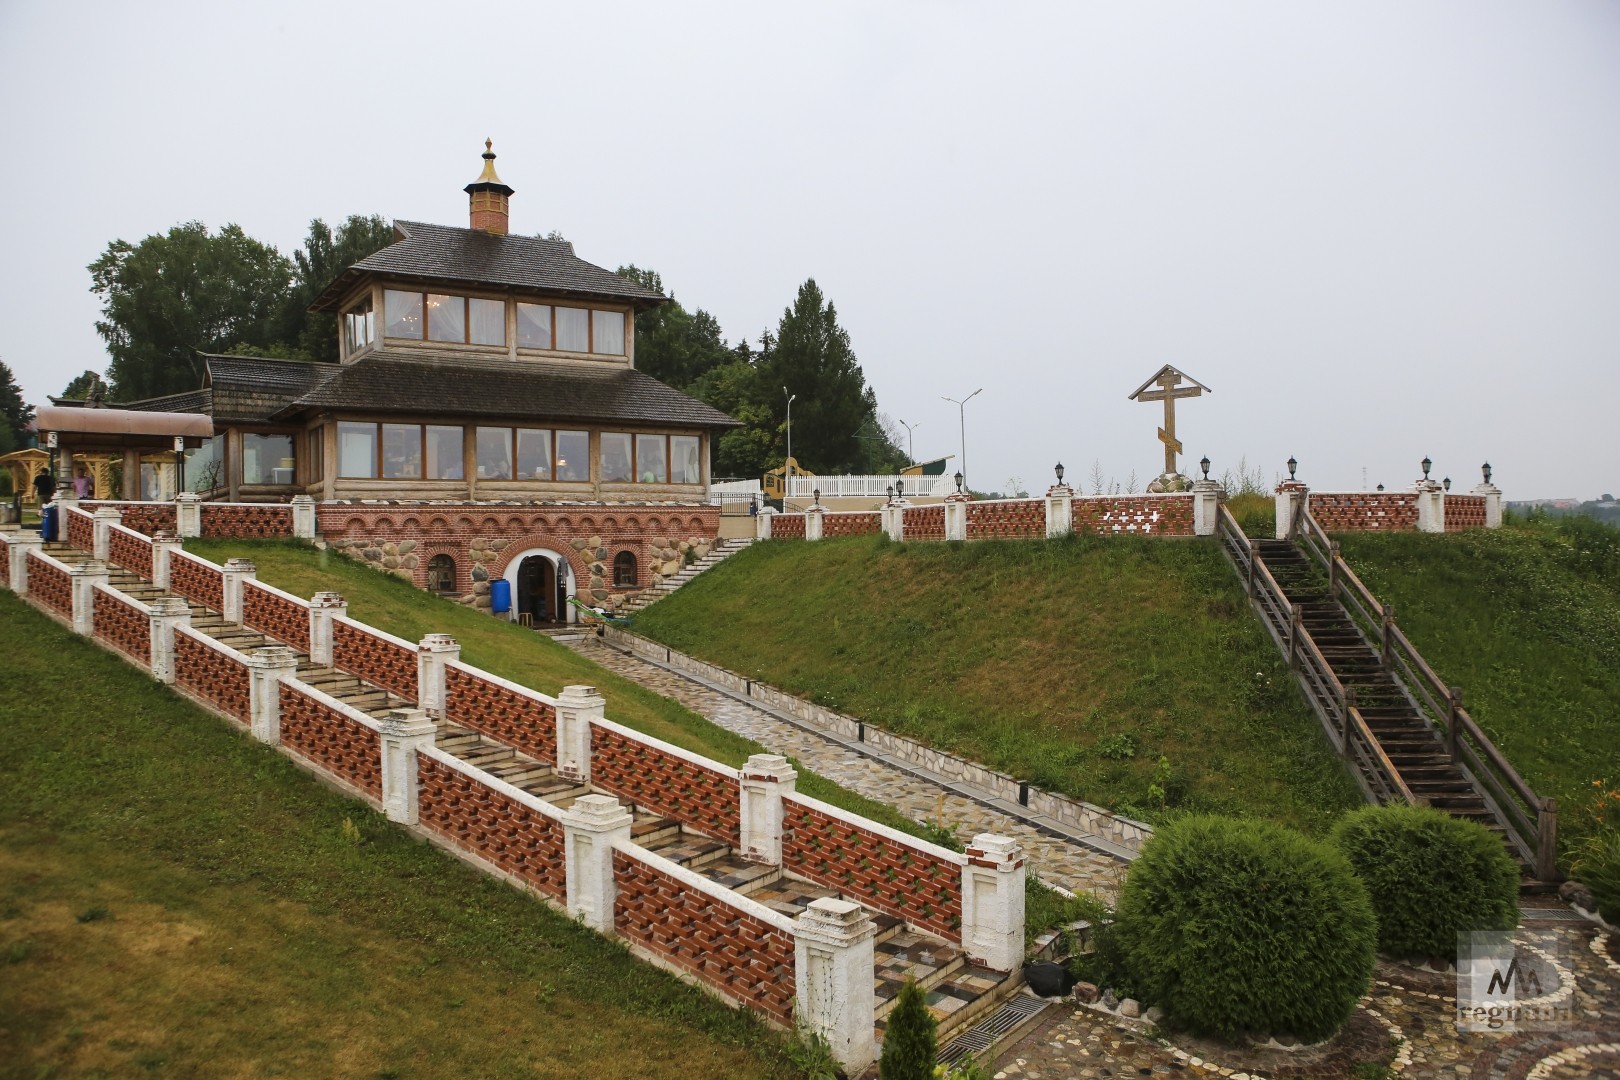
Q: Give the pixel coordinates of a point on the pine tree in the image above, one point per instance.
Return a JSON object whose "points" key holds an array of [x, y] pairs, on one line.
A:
{"points": [[15, 414], [811, 358], [910, 1044]]}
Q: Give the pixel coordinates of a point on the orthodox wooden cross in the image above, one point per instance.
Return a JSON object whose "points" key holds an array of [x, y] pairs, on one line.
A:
{"points": [[1170, 388]]}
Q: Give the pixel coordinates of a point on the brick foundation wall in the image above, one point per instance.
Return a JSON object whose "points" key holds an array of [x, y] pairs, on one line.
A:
{"points": [[745, 957], [326, 737], [50, 586], [666, 783], [132, 552], [491, 825], [211, 675], [126, 628], [1465, 512], [520, 721], [876, 870], [1381, 511], [273, 614], [376, 659]]}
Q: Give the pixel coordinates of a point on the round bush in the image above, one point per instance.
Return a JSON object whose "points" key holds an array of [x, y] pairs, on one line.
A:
{"points": [[1243, 926], [1430, 876]]}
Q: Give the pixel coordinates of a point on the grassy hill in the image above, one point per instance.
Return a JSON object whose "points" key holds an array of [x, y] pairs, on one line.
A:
{"points": [[1126, 671], [1526, 619], [178, 899]]}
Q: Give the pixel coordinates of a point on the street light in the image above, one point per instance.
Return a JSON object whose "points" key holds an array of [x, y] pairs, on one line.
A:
{"points": [[911, 452], [787, 479], [961, 419]]}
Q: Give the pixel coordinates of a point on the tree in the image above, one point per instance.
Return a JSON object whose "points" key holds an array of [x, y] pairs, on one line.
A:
{"points": [[812, 359], [173, 295], [81, 386], [15, 413], [674, 345], [910, 1041], [304, 334]]}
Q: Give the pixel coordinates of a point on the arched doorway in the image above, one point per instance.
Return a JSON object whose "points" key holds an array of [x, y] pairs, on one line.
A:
{"points": [[542, 582]]}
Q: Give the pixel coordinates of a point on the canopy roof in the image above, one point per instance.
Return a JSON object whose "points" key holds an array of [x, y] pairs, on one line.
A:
{"points": [[130, 428]]}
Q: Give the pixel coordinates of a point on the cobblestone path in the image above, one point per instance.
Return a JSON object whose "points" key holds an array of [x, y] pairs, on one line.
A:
{"points": [[1058, 861]]}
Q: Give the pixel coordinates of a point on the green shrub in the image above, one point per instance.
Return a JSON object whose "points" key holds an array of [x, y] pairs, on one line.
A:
{"points": [[1430, 876], [1236, 926], [910, 1040], [1597, 866]]}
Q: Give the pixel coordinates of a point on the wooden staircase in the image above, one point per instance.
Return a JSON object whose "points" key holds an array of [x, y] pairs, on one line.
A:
{"points": [[958, 990]]}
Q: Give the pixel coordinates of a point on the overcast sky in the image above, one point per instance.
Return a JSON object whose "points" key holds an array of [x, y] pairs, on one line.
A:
{"points": [[1376, 230]]}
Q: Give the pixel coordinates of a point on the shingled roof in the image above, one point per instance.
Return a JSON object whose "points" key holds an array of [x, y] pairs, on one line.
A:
{"points": [[471, 257], [254, 388]]}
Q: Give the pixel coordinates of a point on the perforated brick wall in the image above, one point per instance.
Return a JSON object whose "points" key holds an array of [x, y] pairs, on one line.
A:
{"points": [[336, 742], [1006, 520], [81, 531], [1383, 511], [50, 586], [487, 707], [787, 527], [1465, 512], [745, 957], [126, 628], [5, 566], [133, 553], [883, 873], [212, 676], [196, 581], [666, 784], [478, 819], [268, 613], [928, 522], [241, 520], [148, 518], [855, 524], [376, 660], [1157, 515]]}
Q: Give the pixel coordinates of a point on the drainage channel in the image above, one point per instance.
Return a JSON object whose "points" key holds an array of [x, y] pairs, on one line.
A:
{"points": [[1013, 1014]]}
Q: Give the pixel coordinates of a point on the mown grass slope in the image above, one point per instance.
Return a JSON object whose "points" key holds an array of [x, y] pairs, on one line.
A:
{"points": [[176, 899], [1127, 671], [1526, 619]]}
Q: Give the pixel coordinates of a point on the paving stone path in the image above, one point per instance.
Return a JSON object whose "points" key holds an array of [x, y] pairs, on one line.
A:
{"points": [[1060, 862]]}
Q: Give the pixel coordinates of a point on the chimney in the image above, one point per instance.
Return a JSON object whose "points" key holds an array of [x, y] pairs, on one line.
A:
{"points": [[488, 207]]}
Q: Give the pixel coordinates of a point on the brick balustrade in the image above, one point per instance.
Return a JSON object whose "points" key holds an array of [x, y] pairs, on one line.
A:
{"points": [[339, 739], [926, 522], [1366, 511], [787, 527], [375, 656], [123, 623], [1464, 512], [667, 780], [734, 944], [1009, 519], [80, 528], [148, 518], [1155, 515], [278, 614], [887, 870], [131, 550], [480, 815], [216, 673], [49, 583], [855, 523], [257, 520], [198, 580], [505, 711], [1164, 515]]}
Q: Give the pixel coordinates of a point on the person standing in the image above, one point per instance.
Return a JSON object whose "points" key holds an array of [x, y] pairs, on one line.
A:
{"points": [[44, 491], [81, 484]]}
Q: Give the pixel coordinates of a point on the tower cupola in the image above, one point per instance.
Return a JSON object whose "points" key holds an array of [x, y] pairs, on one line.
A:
{"points": [[488, 208]]}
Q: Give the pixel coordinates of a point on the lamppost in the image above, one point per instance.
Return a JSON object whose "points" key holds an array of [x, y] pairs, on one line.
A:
{"points": [[961, 419], [911, 452], [787, 478]]}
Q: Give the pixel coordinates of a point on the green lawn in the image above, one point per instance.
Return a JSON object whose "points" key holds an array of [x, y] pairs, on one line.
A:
{"points": [[511, 652], [176, 899], [1526, 619], [1077, 664]]}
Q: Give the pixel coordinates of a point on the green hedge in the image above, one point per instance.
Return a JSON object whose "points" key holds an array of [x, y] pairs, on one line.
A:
{"points": [[1237, 927], [1430, 876]]}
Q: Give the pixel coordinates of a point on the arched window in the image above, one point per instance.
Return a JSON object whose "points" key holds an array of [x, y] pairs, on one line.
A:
{"points": [[441, 576], [624, 568]]}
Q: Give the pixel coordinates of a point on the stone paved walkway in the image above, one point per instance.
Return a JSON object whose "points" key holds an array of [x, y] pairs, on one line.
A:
{"points": [[1069, 865]]}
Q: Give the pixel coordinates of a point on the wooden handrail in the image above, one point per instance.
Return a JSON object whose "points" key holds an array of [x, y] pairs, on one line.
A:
{"points": [[1494, 756], [1386, 766]]}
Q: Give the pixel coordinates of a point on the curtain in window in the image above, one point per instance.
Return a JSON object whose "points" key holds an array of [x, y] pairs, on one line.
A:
{"points": [[608, 329], [615, 456], [447, 317], [488, 321], [494, 453], [357, 450], [573, 329], [444, 453], [650, 465], [534, 326], [573, 456], [685, 463], [402, 314], [533, 454]]}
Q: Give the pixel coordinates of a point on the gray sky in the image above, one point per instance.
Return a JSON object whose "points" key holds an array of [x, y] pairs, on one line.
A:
{"points": [[1376, 230]]}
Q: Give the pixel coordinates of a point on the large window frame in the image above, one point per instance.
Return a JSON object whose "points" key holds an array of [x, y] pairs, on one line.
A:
{"points": [[423, 458], [556, 458], [262, 442], [640, 466], [359, 326], [426, 302], [593, 318]]}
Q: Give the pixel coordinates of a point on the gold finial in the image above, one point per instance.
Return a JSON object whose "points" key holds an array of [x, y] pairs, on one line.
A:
{"points": [[488, 175]]}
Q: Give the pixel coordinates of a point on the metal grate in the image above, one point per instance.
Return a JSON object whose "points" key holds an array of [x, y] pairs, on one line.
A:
{"points": [[1550, 914], [978, 1039]]}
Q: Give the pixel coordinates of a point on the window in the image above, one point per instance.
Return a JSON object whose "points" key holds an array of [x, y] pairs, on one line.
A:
{"points": [[615, 457], [402, 314], [457, 320], [685, 459], [533, 454], [573, 456], [534, 326], [494, 453], [357, 449], [401, 452], [205, 466], [573, 329], [359, 326], [267, 459], [651, 468], [444, 460], [486, 321], [607, 332], [446, 318], [624, 569], [441, 574]]}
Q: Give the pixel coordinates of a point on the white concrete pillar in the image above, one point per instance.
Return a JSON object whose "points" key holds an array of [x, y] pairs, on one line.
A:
{"points": [[1493, 503], [591, 828], [993, 902], [163, 546], [187, 515], [168, 612], [956, 517], [762, 523], [812, 522], [403, 732], [303, 515], [432, 654], [323, 608], [1059, 510], [18, 545], [577, 707], [1206, 506], [83, 581], [64, 502], [1290, 504], [832, 962], [234, 572], [104, 518], [267, 666], [893, 517], [1431, 507], [765, 779]]}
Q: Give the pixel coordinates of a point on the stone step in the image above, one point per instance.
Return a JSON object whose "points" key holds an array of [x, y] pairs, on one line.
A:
{"points": [[690, 850], [911, 955]]}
